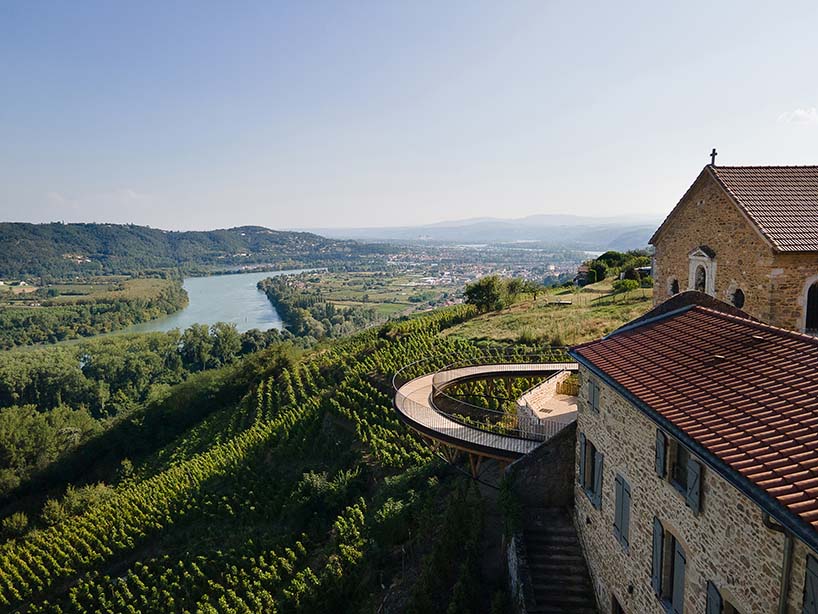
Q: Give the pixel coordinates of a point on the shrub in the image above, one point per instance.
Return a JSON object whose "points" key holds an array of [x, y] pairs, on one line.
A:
{"points": [[625, 285], [15, 525], [53, 512]]}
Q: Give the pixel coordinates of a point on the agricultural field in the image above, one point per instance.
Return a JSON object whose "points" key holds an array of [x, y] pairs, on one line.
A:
{"points": [[389, 293]]}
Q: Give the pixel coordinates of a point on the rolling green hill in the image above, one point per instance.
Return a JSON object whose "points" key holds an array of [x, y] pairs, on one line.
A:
{"points": [[63, 250]]}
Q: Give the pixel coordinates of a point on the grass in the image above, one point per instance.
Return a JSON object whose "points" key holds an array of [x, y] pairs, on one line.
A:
{"points": [[547, 322]]}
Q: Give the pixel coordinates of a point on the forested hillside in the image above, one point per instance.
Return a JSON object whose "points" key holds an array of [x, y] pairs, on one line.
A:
{"points": [[60, 250], [286, 485]]}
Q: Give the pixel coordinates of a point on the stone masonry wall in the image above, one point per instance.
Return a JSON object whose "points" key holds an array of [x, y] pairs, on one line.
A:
{"points": [[743, 259], [544, 478], [791, 275], [726, 543]]}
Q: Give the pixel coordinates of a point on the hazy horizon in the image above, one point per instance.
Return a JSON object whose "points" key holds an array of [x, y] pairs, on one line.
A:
{"points": [[202, 116]]}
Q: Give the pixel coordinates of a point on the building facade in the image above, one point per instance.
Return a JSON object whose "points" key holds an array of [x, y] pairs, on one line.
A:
{"points": [[686, 500], [747, 236]]}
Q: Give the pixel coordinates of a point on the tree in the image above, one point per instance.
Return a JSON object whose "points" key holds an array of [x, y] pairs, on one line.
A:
{"points": [[196, 347], [532, 287], [600, 268], [514, 287], [226, 343], [487, 294]]}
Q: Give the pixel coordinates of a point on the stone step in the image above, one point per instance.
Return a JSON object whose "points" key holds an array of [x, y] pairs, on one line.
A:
{"points": [[543, 542], [563, 600]]}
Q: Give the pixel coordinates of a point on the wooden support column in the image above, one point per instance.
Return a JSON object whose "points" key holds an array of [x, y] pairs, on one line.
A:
{"points": [[474, 462]]}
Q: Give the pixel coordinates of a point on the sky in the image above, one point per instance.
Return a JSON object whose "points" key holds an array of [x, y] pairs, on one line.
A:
{"points": [[200, 115]]}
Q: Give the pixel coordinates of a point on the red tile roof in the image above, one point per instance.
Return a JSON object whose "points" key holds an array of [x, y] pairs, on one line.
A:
{"points": [[781, 200], [746, 392]]}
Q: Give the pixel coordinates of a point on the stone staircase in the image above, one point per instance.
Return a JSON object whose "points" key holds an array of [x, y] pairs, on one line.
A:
{"points": [[557, 578]]}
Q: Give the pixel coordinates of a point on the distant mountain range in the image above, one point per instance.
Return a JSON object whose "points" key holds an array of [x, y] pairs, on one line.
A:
{"points": [[570, 231], [64, 250]]}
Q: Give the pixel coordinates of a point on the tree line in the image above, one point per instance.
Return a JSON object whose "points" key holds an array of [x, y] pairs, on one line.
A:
{"points": [[53, 323], [308, 314]]}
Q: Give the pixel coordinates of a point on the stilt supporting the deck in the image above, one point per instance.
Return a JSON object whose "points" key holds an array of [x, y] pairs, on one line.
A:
{"points": [[474, 462]]}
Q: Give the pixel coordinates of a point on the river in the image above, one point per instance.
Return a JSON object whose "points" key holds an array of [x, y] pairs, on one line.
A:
{"points": [[221, 298]]}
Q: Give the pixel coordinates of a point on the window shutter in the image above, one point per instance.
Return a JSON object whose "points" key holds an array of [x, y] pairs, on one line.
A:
{"points": [[596, 397], [694, 485], [582, 459], [598, 480], [679, 564], [811, 587], [656, 561], [661, 453], [714, 602], [626, 514], [618, 491]]}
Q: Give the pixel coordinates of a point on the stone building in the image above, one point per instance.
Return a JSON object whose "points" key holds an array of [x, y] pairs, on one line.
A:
{"points": [[747, 236], [697, 468]]}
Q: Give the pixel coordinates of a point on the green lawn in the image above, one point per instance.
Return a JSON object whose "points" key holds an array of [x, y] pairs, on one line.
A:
{"points": [[557, 324]]}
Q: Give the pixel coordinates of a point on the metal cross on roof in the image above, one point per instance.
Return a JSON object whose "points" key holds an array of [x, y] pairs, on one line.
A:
{"points": [[713, 155]]}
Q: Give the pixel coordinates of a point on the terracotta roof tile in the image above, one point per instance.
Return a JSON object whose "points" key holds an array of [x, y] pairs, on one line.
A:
{"points": [[755, 410], [781, 200]]}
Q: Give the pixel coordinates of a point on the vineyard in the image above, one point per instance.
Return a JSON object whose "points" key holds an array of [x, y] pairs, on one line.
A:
{"points": [[305, 495]]}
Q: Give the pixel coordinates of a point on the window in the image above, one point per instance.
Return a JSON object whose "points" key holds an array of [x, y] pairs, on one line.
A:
{"points": [[615, 607], [675, 463], [700, 284], [678, 466], [811, 587], [590, 470], [668, 565], [701, 275], [593, 395], [674, 286], [622, 513], [812, 309], [738, 298], [716, 604]]}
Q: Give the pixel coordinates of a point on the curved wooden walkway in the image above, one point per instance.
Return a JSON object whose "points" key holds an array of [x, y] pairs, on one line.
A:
{"points": [[414, 406]]}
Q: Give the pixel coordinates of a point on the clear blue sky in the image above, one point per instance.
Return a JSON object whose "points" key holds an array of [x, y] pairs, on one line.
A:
{"points": [[315, 114]]}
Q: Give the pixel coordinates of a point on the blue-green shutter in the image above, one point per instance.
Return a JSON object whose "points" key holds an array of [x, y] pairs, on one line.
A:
{"points": [[597, 498], [626, 514], [661, 453], [618, 498], [678, 596], [656, 560], [694, 485], [715, 605], [811, 587], [582, 459]]}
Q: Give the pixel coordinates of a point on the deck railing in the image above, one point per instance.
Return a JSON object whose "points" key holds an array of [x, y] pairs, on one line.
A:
{"points": [[491, 422]]}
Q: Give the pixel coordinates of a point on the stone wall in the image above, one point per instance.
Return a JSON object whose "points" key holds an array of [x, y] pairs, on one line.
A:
{"points": [[791, 276], [707, 216], [726, 543], [545, 477]]}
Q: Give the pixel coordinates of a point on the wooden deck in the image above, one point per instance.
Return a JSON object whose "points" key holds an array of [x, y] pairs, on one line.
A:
{"points": [[414, 406]]}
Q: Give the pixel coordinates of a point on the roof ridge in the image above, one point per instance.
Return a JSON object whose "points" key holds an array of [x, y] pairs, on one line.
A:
{"points": [[765, 166]]}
